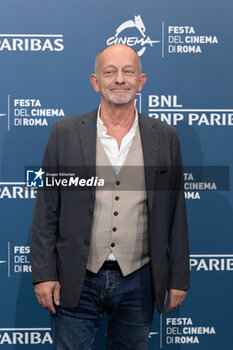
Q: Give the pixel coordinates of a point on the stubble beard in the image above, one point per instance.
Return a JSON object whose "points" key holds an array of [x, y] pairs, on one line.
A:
{"points": [[119, 100]]}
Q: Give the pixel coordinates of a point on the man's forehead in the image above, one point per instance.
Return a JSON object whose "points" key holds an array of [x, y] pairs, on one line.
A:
{"points": [[123, 55], [118, 51]]}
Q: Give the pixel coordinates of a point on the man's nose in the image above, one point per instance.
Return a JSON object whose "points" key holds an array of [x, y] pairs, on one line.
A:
{"points": [[120, 77]]}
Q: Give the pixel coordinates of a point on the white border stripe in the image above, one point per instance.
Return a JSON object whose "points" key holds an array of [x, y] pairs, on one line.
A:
{"points": [[189, 110], [9, 260], [2, 115], [12, 183], [211, 255], [33, 35], [139, 101], [25, 329], [162, 39], [8, 112]]}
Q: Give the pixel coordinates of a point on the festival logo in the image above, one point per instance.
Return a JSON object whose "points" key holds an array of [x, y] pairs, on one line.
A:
{"points": [[29, 112], [142, 41]]}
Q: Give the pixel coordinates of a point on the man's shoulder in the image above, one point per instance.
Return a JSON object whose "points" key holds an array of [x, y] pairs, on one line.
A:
{"points": [[156, 124], [72, 121]]}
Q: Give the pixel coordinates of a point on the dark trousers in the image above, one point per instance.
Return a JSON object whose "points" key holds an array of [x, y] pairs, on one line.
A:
{"points": [[128, 302]]}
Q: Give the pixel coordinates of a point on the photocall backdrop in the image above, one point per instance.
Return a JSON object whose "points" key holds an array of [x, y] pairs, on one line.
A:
{"points": [[47, 51]]}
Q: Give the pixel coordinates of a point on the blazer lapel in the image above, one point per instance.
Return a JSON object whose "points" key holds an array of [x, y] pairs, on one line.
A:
{"points": [[150, 145], [87, 136]]}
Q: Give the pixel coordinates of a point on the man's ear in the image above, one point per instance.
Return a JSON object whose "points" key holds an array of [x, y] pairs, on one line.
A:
{"points": [[142, 81], [94, 82]]}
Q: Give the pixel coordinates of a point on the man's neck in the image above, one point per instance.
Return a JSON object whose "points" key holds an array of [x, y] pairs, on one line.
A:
{"points": [[118, 119], [114, 115]]}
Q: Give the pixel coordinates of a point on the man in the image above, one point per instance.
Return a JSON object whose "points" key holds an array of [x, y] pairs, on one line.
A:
{"points": [[96, 251]]}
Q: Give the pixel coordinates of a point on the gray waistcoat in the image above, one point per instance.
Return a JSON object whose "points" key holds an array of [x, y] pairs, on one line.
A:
{"points": [[120, 216]]}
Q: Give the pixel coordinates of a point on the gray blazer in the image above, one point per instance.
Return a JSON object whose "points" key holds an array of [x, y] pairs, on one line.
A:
{"points": [[62, 220]]}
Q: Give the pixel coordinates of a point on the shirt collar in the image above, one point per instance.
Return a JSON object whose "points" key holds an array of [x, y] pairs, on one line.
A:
{"points": [[102, 130]]}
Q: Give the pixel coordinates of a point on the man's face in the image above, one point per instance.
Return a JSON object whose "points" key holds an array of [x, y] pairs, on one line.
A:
{"points": [[118, 77]]}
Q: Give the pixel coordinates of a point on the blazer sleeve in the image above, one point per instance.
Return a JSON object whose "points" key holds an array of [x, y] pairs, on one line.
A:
{"points": [[44, 228], [178, 245]]}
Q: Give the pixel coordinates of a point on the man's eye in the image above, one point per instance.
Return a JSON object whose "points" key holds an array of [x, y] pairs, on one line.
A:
{"points": [[129, 72], [109, 72]]}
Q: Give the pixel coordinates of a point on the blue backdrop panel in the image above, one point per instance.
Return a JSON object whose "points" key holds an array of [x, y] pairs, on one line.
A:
{"points": [[47, 51]]}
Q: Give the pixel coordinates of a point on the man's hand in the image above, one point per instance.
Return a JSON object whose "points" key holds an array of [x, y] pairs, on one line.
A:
{"points": [[176, 298], [48, 293]]}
